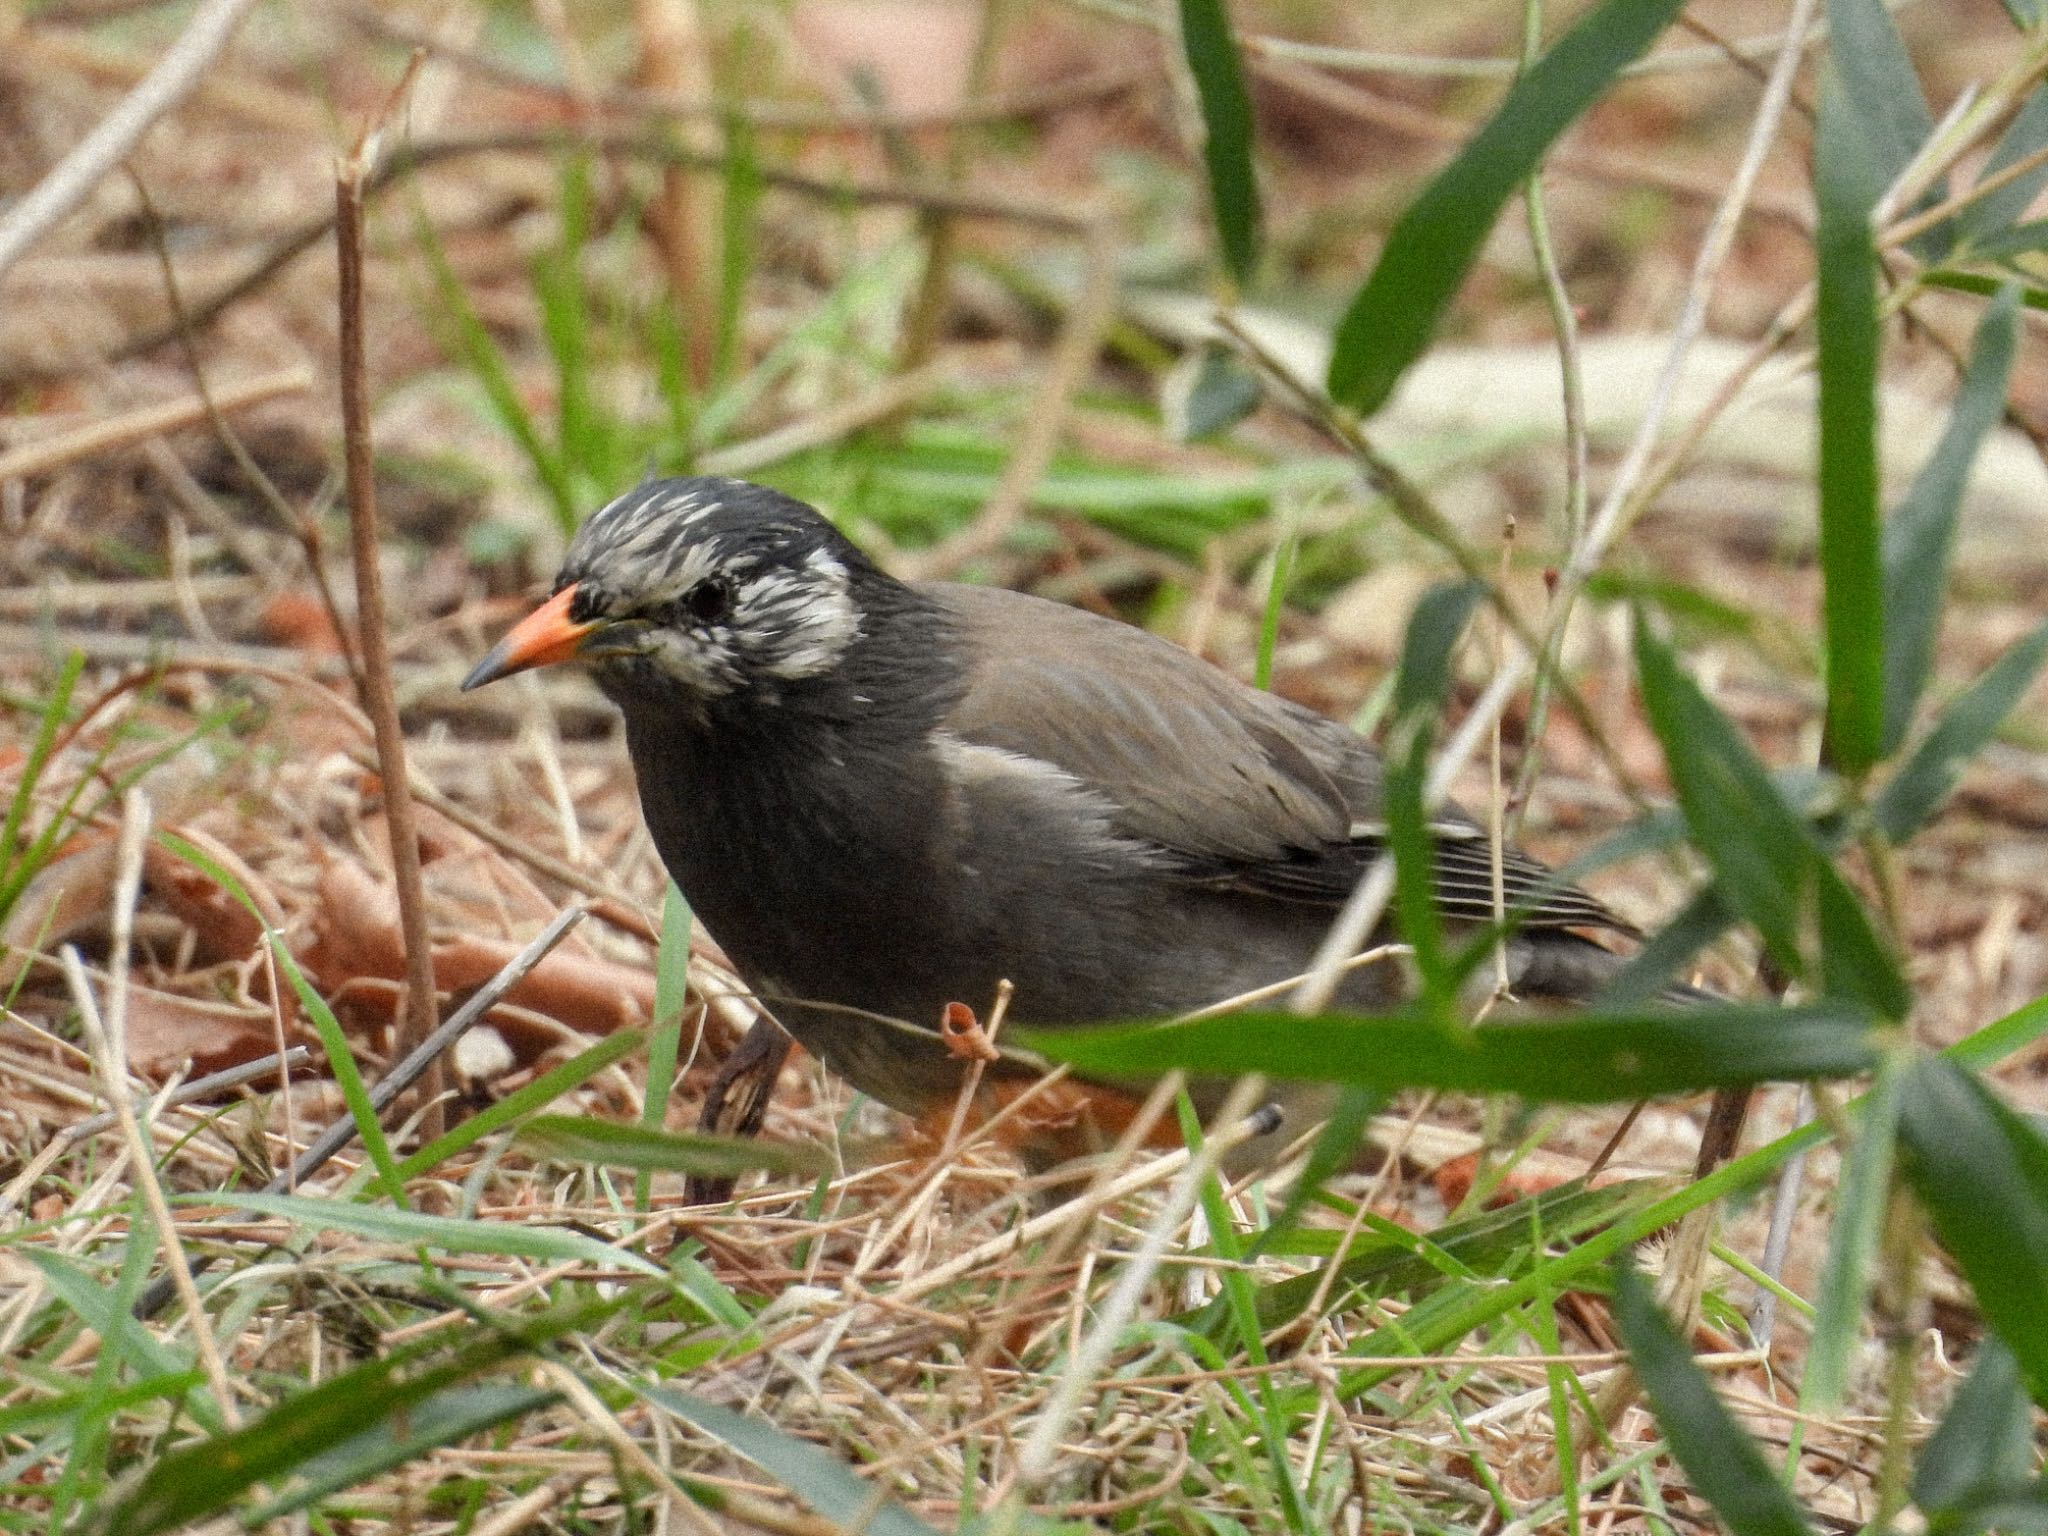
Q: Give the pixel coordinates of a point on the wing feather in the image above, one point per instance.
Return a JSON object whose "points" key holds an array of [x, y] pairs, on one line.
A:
{"points": [[1246, 790]]}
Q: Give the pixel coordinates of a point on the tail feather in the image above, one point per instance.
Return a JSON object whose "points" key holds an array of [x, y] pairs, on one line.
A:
{"points": [[1564, 968]]}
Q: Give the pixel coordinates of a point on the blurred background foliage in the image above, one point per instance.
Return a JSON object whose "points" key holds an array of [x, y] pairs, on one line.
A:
{"points": [[1650, 377]]}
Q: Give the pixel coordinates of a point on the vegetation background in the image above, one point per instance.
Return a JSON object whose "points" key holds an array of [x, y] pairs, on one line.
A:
{"points": [[1650, 382]]}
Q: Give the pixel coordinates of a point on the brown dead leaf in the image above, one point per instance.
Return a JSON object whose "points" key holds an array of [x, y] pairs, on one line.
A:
{"points": [[226, 929], [167, 1029], [356, 936], [299, 620], [69, 894]]}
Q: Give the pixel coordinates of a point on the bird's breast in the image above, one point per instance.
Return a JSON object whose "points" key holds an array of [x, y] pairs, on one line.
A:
{"points": [[817, 863]]}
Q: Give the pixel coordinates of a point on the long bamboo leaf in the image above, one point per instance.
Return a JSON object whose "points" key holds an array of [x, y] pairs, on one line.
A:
{"points": [[1436, 241], [1724, 1464], [1212, 58], [1921, 531], [1848, 182]]}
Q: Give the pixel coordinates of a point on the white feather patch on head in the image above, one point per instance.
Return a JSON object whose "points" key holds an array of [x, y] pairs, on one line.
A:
{"points": [[792, 614], [704, 661], [649, 535], [799, 622], [687, 565]]}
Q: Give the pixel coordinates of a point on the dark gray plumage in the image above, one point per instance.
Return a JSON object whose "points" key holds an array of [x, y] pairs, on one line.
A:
{"points": [[882, 797]]}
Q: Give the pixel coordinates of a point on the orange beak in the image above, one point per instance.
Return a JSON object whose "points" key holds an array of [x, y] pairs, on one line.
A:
{"points": [[545, 636]]}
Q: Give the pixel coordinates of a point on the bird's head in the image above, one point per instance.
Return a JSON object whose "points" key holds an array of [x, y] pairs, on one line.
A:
{"points": [[693, 591]]}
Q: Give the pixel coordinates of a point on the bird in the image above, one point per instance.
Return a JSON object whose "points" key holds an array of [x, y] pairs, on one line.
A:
{"points": [[885, 798]]}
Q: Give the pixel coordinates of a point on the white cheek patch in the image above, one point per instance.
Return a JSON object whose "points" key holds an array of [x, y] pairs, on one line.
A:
{"points": [[702, 661], [798, 624]]}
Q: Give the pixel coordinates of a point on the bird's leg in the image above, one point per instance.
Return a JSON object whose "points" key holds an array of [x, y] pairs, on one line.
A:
{"points": [[752, 1068]]}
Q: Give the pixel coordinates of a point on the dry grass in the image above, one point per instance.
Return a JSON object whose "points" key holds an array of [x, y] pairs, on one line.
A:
{"points": [[919, 1320]]}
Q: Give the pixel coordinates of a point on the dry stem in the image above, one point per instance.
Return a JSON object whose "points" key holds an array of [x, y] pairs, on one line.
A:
{"points": [[379, 700]]}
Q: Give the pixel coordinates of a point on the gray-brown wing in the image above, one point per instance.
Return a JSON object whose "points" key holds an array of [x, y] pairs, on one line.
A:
{"points": [[1194, 761], [1247, 789]]}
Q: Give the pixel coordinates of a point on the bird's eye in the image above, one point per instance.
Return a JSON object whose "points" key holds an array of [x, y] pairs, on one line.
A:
{"points": [[708, 601]]}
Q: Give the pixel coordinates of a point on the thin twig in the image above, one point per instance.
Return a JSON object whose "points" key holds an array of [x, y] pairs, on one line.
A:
{"points": [[1763, 1316], [115, 136], [147, 421], [864, 410], [380, 702], [629, 142], [304, 524], [1564, 323], [198, 1088]]}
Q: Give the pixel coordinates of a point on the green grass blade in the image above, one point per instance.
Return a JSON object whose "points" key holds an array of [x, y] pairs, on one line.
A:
{"points": [[1335, 1147], [1434, 244], [195, 1481], [1921, 532], [557, 278], [1883, 93], [872, 284], [664, 1040], [1760, 850], [104, 1309], [1478, 1305], [68, 816], [440, 1418], [1982, 1173], [1855, 961], [1984, 1446], [581, 1139], [1927, 778], [187, 1387], [1226, 106], [47, 725], [1645, 974], [1860, 1203], [1284, 552], [2015, 240], [466, 336], [523, 1101], [820, 1480], [1420, 688], [1391, 1260], [552, 1245], [1848, 182], [1592, 1058], [739, 216], [1240, 1306], [341, 1060], [1724, 1464], [1994, 213], [2032, 296]]}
